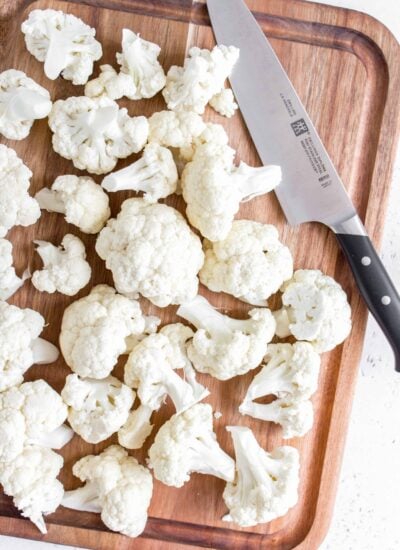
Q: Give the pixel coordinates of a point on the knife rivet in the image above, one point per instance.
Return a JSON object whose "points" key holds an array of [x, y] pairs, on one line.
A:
{"points": [[386, 300], [366, 260]]}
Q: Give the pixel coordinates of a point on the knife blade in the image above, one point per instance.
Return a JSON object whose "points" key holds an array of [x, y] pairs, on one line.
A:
{"points": [[283, 133]]}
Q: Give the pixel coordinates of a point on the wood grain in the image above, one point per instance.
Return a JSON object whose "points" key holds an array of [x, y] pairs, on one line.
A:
{"points": [[344, 66]]}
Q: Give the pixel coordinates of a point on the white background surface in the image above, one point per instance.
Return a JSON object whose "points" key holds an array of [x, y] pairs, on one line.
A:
{"points": [[367, 512]]}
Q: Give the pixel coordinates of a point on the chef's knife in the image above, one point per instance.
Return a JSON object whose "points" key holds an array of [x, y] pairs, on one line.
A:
{"points": [[311, 189]]}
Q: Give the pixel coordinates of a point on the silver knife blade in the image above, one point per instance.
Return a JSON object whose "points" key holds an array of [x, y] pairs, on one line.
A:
{"points": [[282, 131]]}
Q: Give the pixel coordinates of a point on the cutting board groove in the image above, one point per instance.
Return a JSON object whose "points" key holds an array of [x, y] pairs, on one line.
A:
{"points": [[344, 66]]}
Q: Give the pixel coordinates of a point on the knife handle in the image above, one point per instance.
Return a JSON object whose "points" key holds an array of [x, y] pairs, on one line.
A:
{"points": [[375, 286]]}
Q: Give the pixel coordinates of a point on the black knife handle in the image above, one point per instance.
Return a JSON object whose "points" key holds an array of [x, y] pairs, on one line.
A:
{"points": [[375, 286]]}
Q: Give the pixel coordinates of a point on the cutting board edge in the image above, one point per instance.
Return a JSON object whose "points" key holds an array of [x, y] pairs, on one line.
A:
{"points": [[389, 134]]}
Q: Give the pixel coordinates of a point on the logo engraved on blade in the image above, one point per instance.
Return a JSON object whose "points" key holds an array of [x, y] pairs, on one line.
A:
{"points": [[288, 103], [315, 160], [299, 127]]}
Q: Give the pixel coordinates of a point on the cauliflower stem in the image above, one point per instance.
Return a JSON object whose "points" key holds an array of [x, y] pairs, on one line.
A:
{"points": [[295, 417], [254, 181], [205, 456], [137, 428], [17, 282], [55, 439], [49, 200], [202, 315], [83, 499], [155, 174], [44, 352], [24, 104]]}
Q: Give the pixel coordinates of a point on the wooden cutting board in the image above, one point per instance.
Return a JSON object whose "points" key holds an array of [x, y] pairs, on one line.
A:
{"points": [[345, 67]]}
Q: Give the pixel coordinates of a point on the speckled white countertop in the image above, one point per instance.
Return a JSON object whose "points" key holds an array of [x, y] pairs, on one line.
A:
{"points": [[367, 511]]}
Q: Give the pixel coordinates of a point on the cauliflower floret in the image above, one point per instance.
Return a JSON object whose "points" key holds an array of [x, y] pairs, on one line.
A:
{"points": [[266, 484], [110, 84], [116, 486], [224, 103], [315, 308], [295, 417], [63, 42], [226, 347], [215, 138], [31, 480], [20, 345], [83, 202], [98, 328], [17, 207], [32, 413], [151, 370], [213, 191], [172, 129], [291, 374], [187, 444], [251, 263], [97, 408], [9, 282], [291, 371], [95, 133], [65, 268], [151, 250], [22, 101], [191, 87], [155, 174], [141, 75], [139, 60]]}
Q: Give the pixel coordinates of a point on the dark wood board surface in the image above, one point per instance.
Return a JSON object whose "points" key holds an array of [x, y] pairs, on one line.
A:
{"points": [[345, 68]]}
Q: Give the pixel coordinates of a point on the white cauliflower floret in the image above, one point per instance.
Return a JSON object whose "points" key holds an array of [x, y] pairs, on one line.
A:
{"points": [[65, 268], [20, 345], [140, 76], [83, 202], [315, 308], [185, 444], [9, 282], [17, 207], [32, 413], [213, 191], [224, 103], [291, 371], [31, 480], [96, 408], [22, 101], [95, 133], [151, 370], [97, 329], [251, 263], [226, 347], [110, 84], [291, 374], [172, 129], [116, 486], [151, 250], [139, 60], [266, 484], [295, 417], [155, 174], [214, 138], [63, 42], [191, 87]]}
